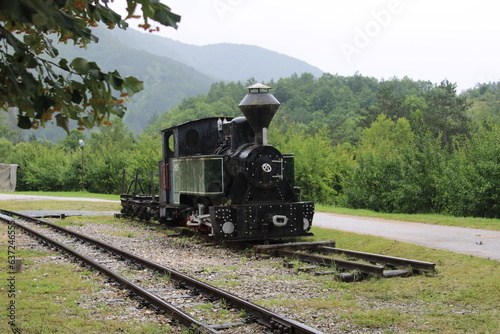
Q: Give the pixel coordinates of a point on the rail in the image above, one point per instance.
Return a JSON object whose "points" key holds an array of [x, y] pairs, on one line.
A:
{"points": [[379, 265], [263, 316]]}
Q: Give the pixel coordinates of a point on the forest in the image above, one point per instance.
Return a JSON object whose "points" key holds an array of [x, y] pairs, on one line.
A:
{"points": [[395, 145]]}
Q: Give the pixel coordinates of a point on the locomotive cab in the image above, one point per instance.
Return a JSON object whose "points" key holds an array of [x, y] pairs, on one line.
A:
{"points": [[220, 175]]}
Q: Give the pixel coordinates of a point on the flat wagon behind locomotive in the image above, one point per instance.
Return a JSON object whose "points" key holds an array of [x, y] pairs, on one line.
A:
{"points": [[219, 175]]}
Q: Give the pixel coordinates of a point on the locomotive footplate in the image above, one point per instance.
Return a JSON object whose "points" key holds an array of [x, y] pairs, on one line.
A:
{"points": [[262, 221]]}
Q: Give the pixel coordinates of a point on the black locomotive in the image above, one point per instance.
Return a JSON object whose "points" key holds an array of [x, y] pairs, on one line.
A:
{"points": [[219, 175]]}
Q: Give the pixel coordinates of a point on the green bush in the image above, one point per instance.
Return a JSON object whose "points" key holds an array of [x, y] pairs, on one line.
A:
{"points": [[42, 166], [471, 181], [390, 170]]}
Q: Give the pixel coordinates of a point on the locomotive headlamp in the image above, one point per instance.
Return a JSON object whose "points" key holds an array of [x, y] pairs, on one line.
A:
{"points": [[259, 107], [228, 228], [307, 224]]}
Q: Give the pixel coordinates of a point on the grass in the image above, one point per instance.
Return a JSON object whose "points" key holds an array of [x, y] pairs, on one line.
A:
{"points": [[212, 312], [49, 298], [462, 297], [84, 194], [436, 219], [21, 205], [80, 221], [24, 205]]}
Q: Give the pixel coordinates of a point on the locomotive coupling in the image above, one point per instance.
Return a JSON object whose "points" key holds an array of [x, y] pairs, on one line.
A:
{"points": [[277, 220], [280, 220]]}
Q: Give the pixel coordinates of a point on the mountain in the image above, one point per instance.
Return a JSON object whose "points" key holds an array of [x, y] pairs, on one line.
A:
{"points": [[166, 81], [172, 71], [227, 62]]}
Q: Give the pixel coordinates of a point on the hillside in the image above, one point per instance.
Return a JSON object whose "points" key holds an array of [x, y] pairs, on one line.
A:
{"points": [[173, 71], [166, 81], [226, 62]]}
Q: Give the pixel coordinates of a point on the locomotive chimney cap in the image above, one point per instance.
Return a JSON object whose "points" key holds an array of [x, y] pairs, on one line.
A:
{"points": [[258, 88]]}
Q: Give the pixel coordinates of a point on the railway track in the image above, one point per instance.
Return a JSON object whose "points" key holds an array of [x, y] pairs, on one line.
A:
{"points": [[170, 292], [361, 265]]}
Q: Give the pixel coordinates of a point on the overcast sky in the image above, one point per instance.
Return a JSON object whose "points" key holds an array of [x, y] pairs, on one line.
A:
{"points": [[422, 39]]}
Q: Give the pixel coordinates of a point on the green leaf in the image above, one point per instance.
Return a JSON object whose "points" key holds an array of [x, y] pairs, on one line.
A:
{"points": [[166, 17], [31, 61], [80, 65], [76, 96], [96, 74], [24, 122], [34, 84], [133, 85], [42, 103], [63, 63], [29, 82], [69, 23], [63, 122], [115, 80], [106, 15], [51, 50]]}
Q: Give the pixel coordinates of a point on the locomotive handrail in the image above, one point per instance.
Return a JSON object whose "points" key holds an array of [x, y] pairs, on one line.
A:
{"points": [[137, 182], [165, 185]]}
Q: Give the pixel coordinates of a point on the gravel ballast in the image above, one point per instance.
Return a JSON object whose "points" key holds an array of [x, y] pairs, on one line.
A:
{"points": [[263, 281]]}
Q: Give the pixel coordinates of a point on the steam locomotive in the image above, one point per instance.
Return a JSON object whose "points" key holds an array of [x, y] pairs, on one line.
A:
{"points": [[219, 175]]}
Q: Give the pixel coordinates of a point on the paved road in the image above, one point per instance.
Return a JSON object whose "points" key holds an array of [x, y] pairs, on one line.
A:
{"points": [[476, 242]]}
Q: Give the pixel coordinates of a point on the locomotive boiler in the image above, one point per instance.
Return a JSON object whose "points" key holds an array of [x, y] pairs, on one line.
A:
{"points": [[219, 175]]}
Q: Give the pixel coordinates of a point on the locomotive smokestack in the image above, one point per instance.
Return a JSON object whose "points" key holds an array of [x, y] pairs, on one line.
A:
{"points": [[259, 107]]}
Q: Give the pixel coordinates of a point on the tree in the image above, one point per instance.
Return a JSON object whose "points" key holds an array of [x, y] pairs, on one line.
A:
{"points": [[7, 128], [390, 175], [106, 157], [6, 148], [42, 88], [471, 179], [72, 141], [485, 99], [319, 167], [446, 112]]}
